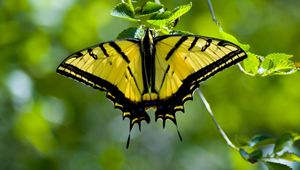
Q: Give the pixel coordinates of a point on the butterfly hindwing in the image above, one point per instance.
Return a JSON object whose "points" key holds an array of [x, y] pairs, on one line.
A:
{"points": [[114, 67], [182, 62]]}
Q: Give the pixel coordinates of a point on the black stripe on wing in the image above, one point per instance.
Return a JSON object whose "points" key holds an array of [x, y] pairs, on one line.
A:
{"points": [[119, 50], [177, 45]]}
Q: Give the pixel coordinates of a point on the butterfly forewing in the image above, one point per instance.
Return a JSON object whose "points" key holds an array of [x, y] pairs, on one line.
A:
{"points": [[111, 66]]}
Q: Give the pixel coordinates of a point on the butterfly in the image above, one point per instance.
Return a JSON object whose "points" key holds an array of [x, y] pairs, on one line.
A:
{"points": [[158, 72]]}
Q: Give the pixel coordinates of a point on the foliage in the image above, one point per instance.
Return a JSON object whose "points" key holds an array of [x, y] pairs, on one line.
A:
{"points": [[150, 15], [271, 151]]}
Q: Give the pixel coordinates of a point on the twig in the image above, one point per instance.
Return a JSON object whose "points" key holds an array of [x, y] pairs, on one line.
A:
{"points": [[244, 71], [211, 9], [215, 121]]}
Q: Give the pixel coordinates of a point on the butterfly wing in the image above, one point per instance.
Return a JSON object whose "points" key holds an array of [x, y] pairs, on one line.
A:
{"points": [[184, 61], [181, 62], [114, 67]]}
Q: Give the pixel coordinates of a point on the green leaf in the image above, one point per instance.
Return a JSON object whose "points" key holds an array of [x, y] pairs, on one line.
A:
{"points": [[277, 64], [231, 38], [277, 166], [251, 63], [285, 140], [267, 64], [131, 32], [161, 16], [261, 140], [253, 157], [128, 33], [244, 154], [123, 10], [180, 10], [272, 64], [290, 157], [150, 8], [163, 19]]}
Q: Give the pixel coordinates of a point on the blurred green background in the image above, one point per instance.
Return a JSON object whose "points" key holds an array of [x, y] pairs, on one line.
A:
{"points": [[48, 121]]}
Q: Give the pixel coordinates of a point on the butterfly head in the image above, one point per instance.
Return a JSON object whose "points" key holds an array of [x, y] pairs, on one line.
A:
{"points": [[150, 32], [148, 36]]}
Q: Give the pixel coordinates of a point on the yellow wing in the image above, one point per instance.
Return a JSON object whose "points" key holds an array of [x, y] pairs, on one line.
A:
{"points": [[114, 67], [182, 62]]}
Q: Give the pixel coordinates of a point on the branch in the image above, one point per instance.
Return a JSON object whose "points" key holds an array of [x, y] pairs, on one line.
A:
{"points": [[211, 9], [215, 121]]}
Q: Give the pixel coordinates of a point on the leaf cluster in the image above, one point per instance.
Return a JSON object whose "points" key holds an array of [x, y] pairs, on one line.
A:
{"points": [[257, 65], [271, 151], [151, 15]]}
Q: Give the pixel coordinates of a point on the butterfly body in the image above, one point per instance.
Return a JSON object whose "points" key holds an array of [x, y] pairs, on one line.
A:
{"points": [[152, 72]]}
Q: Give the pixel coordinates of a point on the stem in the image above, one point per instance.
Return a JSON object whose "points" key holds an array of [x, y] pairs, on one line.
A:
{"points": [[244, 71], [215, 121], [211, 9]]}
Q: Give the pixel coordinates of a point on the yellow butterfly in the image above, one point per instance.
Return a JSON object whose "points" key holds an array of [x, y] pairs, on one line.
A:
{"points": [[152, 72]]}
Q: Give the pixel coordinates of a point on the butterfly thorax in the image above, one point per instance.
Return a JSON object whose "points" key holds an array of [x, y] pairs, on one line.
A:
{"points": [[148, 61]]}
